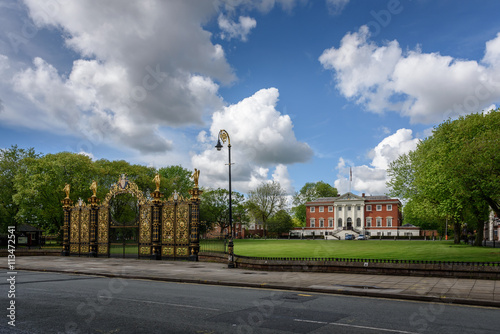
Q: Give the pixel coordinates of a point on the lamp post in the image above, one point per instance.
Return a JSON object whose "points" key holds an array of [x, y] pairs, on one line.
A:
{"points": [[224, 136]]}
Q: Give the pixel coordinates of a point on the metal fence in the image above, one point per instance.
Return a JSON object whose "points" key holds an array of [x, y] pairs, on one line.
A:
{"points": [[213, 245]]}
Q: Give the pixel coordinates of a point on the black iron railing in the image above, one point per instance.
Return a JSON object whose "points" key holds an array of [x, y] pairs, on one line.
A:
{"points": [[213, 245], [331, 259]]}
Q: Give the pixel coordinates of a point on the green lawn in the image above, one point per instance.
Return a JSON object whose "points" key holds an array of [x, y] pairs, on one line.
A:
{"points": [[129, 249], [367, 249]]}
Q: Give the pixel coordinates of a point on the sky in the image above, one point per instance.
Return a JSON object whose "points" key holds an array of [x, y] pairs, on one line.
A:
{"points": [[307, 90]]}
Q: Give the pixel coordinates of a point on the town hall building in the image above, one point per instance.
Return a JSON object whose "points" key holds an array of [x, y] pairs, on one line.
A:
{"points": [[334, 217]]}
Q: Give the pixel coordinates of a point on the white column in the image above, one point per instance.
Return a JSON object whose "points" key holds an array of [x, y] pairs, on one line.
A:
{"points": [[335, 208], [344, 208]]}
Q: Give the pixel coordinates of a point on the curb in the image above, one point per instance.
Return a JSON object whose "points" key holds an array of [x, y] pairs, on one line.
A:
{"points": [[431, 299]]}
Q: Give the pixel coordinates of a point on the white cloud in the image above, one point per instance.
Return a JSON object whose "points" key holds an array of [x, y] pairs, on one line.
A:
{"points": [[133, 76], [232, 29], [372, 179], [282, 176], [90, 155], [261, 138], [426, 87], [335, 7]]}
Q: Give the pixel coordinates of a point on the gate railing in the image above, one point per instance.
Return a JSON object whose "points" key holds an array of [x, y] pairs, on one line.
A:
{"points": [[167, 229], [213, 245]]}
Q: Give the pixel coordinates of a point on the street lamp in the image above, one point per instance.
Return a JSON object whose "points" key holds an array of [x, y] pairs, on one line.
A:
{"points": [[224, 136]]}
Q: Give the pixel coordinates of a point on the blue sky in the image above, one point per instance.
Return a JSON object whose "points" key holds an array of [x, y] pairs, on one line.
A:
{"points": [[305, 89]]}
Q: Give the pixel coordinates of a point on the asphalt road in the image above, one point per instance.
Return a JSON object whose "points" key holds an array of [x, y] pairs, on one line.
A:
{"points": [[62, 303]]}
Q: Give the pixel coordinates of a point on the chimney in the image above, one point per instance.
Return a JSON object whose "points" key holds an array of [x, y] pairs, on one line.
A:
{"points": [[363, 195]]}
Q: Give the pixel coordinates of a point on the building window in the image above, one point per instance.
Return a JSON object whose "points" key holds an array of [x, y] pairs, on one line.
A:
{"points": [[330, 209], [389, 207], [339, 222], [379, 207], [358, 208], [349, 208], [368, 208], [389, 221], [379, 221], [321, 209], [388, 234], [358, 222], [321, 222], [313, 222], [368, 221], [340, 208], [311, 209], [330, 222]]}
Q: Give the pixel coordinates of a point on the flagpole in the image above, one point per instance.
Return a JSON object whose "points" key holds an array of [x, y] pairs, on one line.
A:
{"points": [[350, 178]]}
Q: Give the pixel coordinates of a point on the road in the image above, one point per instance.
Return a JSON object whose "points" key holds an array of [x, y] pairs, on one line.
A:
{"points": [[63, 303]]}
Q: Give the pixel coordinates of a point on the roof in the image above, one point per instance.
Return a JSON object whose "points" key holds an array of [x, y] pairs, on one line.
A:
{"points": [[27, 228], [378, 197], [351, 196]]}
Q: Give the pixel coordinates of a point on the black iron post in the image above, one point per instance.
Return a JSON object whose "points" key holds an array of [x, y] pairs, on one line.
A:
{"points": [[223, 135]]}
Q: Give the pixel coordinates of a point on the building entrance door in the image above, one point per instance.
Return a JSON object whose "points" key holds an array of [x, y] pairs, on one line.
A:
{"points": [[349, 223]]}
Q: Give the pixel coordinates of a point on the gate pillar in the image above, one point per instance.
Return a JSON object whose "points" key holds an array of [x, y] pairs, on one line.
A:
{"points": [[94, 209], [156, 226], [194, 236], [67, 202]]}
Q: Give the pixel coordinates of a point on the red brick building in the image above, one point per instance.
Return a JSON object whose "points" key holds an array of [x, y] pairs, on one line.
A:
{"points": [[334, 217]]}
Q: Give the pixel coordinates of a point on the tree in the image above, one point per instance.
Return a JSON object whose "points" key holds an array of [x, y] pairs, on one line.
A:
{"points": [[279, 223], [214, 209], [12, 161], [266, 200], [309, 192], [108, 172], [453, 173], [175, 178], [39, 187]]}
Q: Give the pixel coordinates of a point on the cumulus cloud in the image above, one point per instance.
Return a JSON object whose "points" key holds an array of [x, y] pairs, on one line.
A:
{"points": [[372, 179], [240, 29], [261, 139], [426, 87], [145, 67]]}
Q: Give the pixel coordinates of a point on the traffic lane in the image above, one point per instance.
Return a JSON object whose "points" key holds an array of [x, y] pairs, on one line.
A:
{"points": [[58, 303]]}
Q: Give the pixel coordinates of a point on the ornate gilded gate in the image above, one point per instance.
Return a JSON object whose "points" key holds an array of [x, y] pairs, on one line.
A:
{"points": [[167, 229]]}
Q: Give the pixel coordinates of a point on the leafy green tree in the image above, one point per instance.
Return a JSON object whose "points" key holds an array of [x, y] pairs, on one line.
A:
{"points": [[279, 223], [12, 161], [39, 187], [266, 200], [309, 192], [175, 178], [108, 173], [454, 173], [214, 209]]}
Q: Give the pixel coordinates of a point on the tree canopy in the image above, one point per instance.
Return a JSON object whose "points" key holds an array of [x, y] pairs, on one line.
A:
{"points": [[279, 223], [309, 192], [31, 184], [214, 209], [12, 161], [265, 200], [453, 174]]}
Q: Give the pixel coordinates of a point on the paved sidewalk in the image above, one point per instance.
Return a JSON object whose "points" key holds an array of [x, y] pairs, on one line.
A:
{"points": [[431, 289]]}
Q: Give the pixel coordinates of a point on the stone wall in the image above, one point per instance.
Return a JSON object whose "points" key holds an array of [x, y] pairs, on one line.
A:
{"points": [[355, 266]]}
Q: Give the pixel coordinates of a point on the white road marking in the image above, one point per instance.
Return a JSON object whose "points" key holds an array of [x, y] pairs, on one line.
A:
{"points": [[169, 304], [356, 326]]}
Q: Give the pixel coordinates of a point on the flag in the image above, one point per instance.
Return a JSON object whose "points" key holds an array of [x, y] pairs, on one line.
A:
{"points": [[350, 174]]}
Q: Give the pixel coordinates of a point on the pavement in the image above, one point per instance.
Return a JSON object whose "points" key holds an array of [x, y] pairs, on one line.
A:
{"points": [[430, 289]]}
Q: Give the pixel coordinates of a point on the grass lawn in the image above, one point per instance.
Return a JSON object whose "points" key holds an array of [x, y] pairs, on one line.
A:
{"points": [[129, 249], [367, 249]]}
